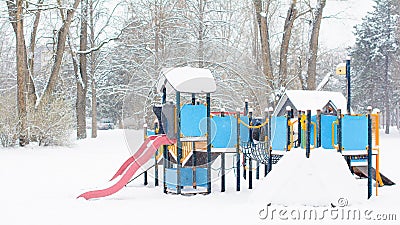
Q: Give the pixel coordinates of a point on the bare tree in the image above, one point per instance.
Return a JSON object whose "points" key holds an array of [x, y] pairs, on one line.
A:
{"points": [[16, 18], [92, 70], [291, 16], [82, 79], [261, 17], [313, 46]]}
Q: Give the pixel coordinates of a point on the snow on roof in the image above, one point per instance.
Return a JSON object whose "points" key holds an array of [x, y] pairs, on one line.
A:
{"points": [[312, 100], [187, 80]]}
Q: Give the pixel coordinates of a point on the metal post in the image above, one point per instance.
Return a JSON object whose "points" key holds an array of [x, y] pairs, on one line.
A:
{"points": [[165, 150], [369, 154], [222, 162], [238, 150], [339, 129], [308, 133], [299, 128], [319, 125], [156, 126], [251, 143], [144, 138], [288, 111], [245, 113], [348, 84], [194, 155], [178, 142], [270, 110], [208, 100], [266, 139]]}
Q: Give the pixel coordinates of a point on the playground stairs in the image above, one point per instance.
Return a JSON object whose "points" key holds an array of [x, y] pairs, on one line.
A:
{"points": [[362, 171]]}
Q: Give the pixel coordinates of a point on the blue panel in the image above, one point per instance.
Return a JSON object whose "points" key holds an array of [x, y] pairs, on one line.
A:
{"points": [[355, 132], [186, 177], [326, 131], [244, 131], [359, 160], [279, 133], [150, 132], [201, 177], [171, 178], [191, 117], [224, 134]]}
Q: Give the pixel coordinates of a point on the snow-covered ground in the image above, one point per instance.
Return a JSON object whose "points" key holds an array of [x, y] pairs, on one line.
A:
{"points": [[40, 186]]}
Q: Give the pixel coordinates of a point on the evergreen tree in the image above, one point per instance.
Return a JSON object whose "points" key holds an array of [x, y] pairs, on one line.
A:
{"points": [[373, 55]]}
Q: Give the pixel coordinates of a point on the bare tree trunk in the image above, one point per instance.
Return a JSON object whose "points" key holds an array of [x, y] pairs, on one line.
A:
{"points": [[200, 37], [30, 85], [92, 72], [81, 82], [265, 42], [287, 33], [21, 74], [61, 39], [313, 47]]}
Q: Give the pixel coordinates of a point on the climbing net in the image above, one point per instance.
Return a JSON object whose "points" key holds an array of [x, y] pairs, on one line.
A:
{"points": [[256, 151]]}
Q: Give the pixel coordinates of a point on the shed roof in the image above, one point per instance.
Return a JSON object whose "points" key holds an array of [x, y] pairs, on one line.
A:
{"points": [[187, 80], [312, 100]]}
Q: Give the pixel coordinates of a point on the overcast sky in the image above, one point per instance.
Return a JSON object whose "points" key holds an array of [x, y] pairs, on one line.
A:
{"points": [[338, 30]]}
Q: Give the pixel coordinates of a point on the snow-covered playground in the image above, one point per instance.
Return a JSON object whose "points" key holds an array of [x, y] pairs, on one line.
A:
{"points": [[40, 186]]}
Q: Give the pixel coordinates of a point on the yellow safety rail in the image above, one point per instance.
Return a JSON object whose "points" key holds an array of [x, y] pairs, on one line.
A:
{"points": [[253, 127], [333, 134], [304, 128], [375, 140], [159, 153], [291, 126], [315, 134], [375, 130]]}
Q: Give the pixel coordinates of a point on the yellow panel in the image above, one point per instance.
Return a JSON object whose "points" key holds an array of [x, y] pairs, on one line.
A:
{"points": [[341, 69]]}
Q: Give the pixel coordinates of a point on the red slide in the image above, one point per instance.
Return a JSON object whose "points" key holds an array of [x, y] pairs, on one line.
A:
{"points": [[144, 154], [133, 158]]}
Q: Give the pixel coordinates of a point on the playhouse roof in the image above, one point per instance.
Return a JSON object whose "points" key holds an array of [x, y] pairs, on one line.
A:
{"points": [[187, 80], [312, 100]]}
